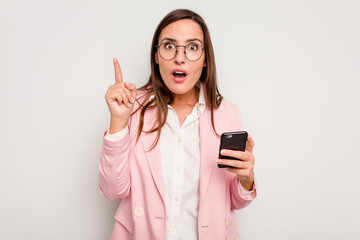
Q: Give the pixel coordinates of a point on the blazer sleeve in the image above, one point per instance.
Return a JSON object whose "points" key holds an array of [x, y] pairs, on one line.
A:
{"points": [[239, 199], [114, 168], [114, 164]]}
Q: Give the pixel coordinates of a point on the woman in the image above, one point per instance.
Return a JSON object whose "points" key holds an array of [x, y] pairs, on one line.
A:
{"points": [[160, 153]]}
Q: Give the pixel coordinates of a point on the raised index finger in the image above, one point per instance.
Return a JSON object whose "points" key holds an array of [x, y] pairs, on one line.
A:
{"points": [[118, 73]]}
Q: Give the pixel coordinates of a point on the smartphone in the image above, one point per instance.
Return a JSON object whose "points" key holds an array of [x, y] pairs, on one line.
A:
{"points": [[233, 141]]}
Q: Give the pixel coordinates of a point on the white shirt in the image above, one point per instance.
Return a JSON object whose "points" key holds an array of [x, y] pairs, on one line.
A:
{"points": [[180, 155], [180, 160]]}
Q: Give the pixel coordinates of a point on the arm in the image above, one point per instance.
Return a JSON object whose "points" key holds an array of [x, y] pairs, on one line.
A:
{"points": [[114, 169], [240, 197], [243, 185]]}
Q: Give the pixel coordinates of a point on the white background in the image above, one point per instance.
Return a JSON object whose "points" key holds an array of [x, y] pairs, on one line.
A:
{"points": [[291, 66]]}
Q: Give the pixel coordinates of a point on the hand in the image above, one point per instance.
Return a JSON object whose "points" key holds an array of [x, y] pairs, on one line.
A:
{"points": [[120, 99], [244, 169]]}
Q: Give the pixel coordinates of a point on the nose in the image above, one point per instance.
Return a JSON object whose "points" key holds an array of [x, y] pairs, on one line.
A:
{"points": [[180, 55]]}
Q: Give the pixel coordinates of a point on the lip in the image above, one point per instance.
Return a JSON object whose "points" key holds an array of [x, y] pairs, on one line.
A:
{"points": [[177, 79]]}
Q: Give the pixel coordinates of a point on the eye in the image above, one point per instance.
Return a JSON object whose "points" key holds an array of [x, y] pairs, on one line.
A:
{"points": [[193, 47], [169, 46]]}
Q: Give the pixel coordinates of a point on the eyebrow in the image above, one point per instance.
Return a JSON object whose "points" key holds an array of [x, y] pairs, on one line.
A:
{"points": [[189, 40]]}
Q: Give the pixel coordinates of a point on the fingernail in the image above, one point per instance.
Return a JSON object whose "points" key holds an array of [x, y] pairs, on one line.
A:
{"points": [[223, 151], [218, 160], [132, 100]]}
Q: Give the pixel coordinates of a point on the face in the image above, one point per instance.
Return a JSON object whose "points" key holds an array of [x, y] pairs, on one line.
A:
{"points": [[180, 74]]}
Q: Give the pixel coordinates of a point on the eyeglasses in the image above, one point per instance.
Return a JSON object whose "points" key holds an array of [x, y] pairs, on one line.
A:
{"points": [[168, 51]]}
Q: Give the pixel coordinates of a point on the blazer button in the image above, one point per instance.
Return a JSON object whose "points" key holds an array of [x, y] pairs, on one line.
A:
{"points": [[226, 222], [138, 211]]}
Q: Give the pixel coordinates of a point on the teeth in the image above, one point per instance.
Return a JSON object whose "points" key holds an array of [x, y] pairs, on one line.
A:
{"points": [[179, 72]]}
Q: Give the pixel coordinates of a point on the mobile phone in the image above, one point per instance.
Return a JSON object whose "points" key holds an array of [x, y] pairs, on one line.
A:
{"points": [[233, 141]]}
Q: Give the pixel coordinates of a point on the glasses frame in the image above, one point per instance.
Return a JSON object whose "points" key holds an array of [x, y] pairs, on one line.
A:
{"points": [[184, 46]]}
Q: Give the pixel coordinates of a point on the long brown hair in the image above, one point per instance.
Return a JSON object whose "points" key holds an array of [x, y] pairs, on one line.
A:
{"points": [[156, 86]]}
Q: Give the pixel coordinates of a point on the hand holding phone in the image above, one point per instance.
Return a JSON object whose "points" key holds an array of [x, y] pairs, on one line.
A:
{"points": [[233, 141]]}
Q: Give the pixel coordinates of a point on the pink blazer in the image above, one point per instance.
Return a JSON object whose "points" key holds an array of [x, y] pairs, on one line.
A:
{"points": [[128, 171]]}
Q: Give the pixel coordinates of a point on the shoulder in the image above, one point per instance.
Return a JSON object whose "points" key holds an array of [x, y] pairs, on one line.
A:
{"points": [[142, 97], [228, 107], [143, 94], [137, 115], [228, 115]]}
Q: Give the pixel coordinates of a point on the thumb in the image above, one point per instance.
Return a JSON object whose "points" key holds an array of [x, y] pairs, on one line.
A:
{"points": [[132, 88]]}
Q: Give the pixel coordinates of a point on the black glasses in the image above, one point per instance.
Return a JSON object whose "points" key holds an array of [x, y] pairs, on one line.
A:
{"points": [[168, 51]]}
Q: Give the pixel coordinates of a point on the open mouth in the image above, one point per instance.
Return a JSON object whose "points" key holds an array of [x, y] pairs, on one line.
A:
{"points": [[178, 74]]}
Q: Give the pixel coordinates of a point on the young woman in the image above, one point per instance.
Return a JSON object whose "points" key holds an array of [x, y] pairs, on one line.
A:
{"points": [[160, 154]]}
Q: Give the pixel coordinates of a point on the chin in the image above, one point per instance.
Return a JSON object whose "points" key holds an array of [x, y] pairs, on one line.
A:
{"points": [[180, 88]]}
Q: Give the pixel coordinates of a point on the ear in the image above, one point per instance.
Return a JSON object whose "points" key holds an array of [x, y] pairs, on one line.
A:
{"points": [[204, 64], [156, 58]]}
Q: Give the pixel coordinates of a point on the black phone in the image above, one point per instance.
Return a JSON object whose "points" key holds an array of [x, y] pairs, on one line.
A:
{"points": [[233, 141]]}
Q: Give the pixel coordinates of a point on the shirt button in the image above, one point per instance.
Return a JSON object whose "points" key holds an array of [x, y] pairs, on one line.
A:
{"points": [[226, 222], [176, 199], [138, 211], [174, 229], [179, 140], [179, 169]]}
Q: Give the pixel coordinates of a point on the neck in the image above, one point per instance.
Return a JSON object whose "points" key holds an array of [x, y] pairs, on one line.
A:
{"points": [[189, 98]]}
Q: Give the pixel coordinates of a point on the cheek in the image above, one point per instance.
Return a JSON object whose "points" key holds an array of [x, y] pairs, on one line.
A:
{"points": [[163, 68], [198, 68], [201, 64]]}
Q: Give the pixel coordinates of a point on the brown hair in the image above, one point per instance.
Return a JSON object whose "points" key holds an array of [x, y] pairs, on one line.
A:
{"points": [[156, 87]]}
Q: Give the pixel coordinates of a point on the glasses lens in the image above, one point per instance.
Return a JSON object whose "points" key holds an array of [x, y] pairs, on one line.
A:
{"points": [[193, 51], [167, 51]]}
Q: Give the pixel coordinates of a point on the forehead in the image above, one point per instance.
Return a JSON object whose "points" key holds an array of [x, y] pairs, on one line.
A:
{"points": [[182, 30]]}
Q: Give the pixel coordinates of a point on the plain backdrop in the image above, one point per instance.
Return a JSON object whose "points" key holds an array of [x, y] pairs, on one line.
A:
{"points": [[292, 67]]}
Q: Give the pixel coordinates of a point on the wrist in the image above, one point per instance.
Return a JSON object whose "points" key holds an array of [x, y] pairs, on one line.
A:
{"points": [[247, 182], [116, 125]]}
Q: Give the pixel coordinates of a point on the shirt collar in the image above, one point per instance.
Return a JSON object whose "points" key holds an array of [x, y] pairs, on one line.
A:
{"points": [[201, 105]]}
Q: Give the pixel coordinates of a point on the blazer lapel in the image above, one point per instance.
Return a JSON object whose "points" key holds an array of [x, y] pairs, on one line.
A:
{"points": [[208, 151], [153, 157]]}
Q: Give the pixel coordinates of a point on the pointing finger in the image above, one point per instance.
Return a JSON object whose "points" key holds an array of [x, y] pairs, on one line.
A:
{"points": [[118, 73]]}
